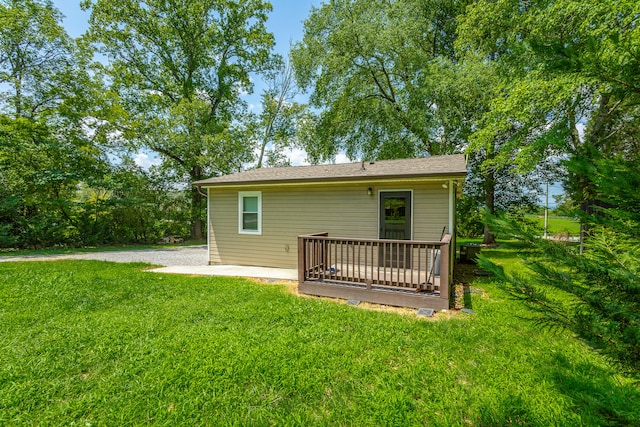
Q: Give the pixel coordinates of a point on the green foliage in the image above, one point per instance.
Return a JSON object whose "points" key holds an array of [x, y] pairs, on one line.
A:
{"points": [[565, 206], [107, 344], [35, 56], [54, 192], [565, 87], [36, 186], [131, 205], [378, 70], [520, 215], [565, 68], [594, 294], [470, 222], [178, 69]]}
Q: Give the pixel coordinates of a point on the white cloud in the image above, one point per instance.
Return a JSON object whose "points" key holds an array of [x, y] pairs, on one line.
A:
{"points": [[297, 156], [144, 161], [342, 158]]}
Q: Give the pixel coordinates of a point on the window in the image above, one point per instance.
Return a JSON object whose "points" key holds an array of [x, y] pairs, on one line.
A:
{"points": [[250, 212]]}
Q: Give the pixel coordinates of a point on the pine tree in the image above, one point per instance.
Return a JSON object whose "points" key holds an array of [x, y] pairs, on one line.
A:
{"points": [[596, 293]]}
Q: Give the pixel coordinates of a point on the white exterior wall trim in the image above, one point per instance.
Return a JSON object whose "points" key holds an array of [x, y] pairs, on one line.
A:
{"points": [[241, 196]]}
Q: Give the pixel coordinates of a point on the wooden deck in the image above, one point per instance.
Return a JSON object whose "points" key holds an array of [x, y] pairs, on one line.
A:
{"points": [[394, 272]]}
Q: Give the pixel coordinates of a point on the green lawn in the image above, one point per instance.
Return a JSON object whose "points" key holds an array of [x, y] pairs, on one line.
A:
{"points": [[95, 343], [558, 224]]}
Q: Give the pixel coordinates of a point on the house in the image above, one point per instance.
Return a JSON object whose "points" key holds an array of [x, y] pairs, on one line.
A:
{"points": [[390, 216]]}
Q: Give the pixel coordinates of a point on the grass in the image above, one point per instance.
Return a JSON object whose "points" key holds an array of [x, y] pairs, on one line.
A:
{"points": [[557, 224], [106, 248], [96, 343]]}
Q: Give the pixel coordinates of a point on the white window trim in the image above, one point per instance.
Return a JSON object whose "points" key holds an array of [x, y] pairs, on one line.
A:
{"points": [[241, 196]]}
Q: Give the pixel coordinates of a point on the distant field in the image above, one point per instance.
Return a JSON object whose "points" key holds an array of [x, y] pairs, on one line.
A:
{"points": [[558, 224]]}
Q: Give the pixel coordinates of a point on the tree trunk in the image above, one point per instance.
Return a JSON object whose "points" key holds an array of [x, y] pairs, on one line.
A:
{"points": [[489, 198], [197, 225], [489, 194], [18, 100]]}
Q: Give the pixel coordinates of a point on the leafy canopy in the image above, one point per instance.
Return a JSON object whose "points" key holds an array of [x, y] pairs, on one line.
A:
{"points": [[374, 70], [179, 70]]}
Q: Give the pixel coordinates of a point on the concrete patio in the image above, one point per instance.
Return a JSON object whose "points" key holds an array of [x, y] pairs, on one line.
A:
{"points": [[231, 270]]}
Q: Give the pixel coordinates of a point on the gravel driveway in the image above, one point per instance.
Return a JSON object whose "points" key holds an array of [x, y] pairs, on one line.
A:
{"points": [[177, 255]]}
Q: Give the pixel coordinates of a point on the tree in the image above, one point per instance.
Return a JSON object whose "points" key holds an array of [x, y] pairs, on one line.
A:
{"points": [[179, 69], [570, 89], [34, 52], [277, 122], [48, 94], [388, 79], [374, 69], [596, 294], [510, 191], [568, 79]]}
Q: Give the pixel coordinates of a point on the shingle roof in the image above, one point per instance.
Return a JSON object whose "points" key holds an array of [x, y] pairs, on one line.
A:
{"points": [[445, 166]]}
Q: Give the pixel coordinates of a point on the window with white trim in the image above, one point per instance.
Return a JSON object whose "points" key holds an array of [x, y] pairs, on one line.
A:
{"points": [[250, 212]]}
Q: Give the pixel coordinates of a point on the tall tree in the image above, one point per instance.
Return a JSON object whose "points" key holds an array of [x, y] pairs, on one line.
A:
{"points": [[389, 83], [277, 122], [373, 67], [569, 71], [179, 69], [35, 52], [47, 94]]}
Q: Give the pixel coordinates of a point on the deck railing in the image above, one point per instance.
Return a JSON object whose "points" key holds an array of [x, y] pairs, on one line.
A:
{"points": [[376, 264]]}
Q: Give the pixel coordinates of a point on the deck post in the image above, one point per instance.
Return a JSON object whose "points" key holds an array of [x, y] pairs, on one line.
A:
{"points": [[301, 260], [445, 254]]}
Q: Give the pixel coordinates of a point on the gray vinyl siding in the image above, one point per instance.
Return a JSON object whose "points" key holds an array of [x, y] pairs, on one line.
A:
{"points": [[289, 211]]}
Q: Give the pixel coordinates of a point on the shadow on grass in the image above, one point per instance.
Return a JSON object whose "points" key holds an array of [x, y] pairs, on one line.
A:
{"points": [[467, 297], [594, 398], [510, 411], [597, 395], [467, 275], [498, 254]]}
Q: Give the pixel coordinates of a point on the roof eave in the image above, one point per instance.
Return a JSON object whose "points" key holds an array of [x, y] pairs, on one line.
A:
{"points": [[430, 176]]}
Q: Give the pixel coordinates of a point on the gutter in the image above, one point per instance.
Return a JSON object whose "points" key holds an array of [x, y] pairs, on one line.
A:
{"points": [[331, 180]]}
